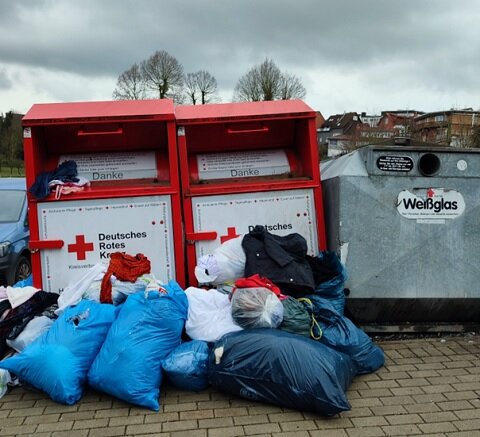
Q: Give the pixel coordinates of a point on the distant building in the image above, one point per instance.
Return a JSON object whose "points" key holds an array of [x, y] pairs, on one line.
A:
{"points": [[319, 120], [342, 133], [400, 122], [339, 145], [453, 127], [406, 113], [388, 125], [338, 132], [338, 124], [370, 120]]}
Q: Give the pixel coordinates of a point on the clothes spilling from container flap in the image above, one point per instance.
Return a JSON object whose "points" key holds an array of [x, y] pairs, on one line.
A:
{"points": [[62, 180]]}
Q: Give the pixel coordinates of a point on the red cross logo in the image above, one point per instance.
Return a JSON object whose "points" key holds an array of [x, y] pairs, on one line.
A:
{"points": [[231, 233], [80, 247]]}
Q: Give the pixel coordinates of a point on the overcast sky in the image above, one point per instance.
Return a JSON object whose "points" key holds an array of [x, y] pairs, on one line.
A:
{"points": [[358, 55]]}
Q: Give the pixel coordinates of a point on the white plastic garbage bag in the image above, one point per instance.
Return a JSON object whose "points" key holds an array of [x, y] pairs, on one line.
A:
{"points": [[225, 264], [19, 295], [33, 329], [209, 315], [73, 293]]}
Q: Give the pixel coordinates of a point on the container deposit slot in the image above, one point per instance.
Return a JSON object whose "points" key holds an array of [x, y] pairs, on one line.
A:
{"points": [[429, 164]]}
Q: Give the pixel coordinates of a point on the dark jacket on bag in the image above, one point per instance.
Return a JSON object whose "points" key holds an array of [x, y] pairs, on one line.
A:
{"points": [[280, 259]]}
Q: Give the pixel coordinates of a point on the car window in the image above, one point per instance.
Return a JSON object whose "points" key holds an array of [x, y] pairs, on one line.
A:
{"points": [[11, 205]]}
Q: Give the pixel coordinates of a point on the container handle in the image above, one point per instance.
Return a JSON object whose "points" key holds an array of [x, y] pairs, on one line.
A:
{"points": [[191, 237], [83, 133], [36, 245], [247, 131]]}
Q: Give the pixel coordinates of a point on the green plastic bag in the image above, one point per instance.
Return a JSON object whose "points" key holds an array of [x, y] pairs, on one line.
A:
{"points": [[296, 318]]}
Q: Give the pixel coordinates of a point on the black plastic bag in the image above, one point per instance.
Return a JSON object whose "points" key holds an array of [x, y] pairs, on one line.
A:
{"points": [[274, 366]]}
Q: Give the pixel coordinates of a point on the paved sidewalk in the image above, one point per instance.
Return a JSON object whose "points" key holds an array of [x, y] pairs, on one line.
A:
{"points": [[429, 387]]}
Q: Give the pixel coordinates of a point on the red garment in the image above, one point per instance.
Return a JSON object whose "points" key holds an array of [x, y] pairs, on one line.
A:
{"points": [[257, 281], [125, 268]]}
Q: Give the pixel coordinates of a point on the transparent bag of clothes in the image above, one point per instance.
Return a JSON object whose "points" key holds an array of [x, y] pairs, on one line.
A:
{"points": [[256, 308]]}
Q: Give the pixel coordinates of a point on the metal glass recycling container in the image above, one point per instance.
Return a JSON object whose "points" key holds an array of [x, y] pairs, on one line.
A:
{"points": [[127, 152], [406, 223]]}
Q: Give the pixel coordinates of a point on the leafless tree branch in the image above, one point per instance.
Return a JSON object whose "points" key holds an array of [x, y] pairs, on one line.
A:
{"points": [[130, 85], [267, 82], [163, 74]]}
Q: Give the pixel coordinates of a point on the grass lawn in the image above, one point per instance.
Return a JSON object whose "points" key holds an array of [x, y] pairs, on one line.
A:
{"points": [[9, 172]]}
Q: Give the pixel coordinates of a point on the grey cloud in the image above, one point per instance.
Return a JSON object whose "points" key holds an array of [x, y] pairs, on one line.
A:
{"points": [[104, 37], [432, 43], [5, 82]]}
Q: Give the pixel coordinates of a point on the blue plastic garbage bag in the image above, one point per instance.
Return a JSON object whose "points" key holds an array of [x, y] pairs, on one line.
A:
{"points": [[27, 282], [341, 334], [187, 366], [147, 329], [274, 366], [57, 362], [330, 276]]}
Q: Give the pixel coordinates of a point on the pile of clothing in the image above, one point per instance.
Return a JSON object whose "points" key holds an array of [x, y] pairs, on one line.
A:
{"points": [[24, 312], [274, 319], [281, 259], [62, 180], [114, 327], [266, 322]]}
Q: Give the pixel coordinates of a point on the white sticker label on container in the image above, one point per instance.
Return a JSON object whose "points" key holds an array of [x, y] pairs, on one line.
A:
{"points": [[462, 165], [242, 164], [230, 215], [94, 229], [114, 166], [429, 204]]}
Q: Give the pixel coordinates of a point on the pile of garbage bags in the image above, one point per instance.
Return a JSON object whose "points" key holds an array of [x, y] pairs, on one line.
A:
{"points": [[266, 322]]}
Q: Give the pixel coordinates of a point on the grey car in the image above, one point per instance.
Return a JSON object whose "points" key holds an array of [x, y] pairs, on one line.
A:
{"points": [[14, 232]]}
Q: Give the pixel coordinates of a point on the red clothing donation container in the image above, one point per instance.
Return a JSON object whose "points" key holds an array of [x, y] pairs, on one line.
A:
{"points": [[127, 150], [247, 164]]}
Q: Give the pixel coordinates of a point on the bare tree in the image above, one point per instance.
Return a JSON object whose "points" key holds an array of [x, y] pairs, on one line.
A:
{"points": [[261, 82], [270, 79], [200, 87], [207, 86], [464, 136], [191, 88], [267, 82], [130, 85], [291, 87], [248, 87], [163, 74], [475, 140]]}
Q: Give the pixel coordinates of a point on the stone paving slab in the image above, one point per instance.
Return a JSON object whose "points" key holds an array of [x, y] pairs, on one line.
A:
{"points": [[429, 387]]}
